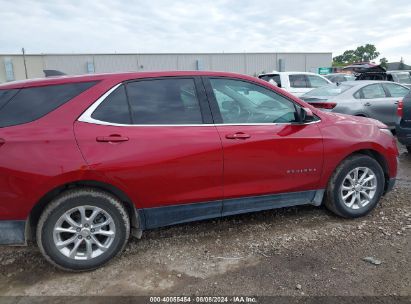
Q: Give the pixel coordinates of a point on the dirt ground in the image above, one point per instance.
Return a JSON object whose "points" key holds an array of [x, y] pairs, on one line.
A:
{"points": [[290, 251]]}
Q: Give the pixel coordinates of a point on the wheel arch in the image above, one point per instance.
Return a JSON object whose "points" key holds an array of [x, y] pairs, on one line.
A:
{"points": [[136, 220], [375, 155]]}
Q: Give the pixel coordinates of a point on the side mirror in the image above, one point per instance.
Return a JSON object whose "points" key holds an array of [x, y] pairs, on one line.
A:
{"points": [[306, 115]]}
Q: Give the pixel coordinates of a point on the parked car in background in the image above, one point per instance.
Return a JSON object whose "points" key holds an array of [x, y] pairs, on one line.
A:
{"points": [[88, 160], [404, 125], [339, 77], [296, 83], [367, 71], [402, 77], [368, 98]]}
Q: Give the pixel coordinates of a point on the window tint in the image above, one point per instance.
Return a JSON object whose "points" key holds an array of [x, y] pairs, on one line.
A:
{"points": [[244, 102], [114, 108], [373, 91], [316, 81], [395, 90], [164, 101], [298, 81], [33, 103]]}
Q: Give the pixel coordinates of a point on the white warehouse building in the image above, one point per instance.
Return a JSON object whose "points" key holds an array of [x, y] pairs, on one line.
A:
{"points": [[17, 67]]}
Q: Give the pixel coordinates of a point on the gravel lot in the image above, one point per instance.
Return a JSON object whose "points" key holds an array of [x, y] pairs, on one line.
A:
{"points": [[291, 251]]}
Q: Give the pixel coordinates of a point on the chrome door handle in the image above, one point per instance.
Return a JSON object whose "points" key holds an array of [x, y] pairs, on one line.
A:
{"points": [[367, 104]]}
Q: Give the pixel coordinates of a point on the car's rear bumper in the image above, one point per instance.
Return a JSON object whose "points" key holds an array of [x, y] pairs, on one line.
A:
{"points": [[12, 232]]}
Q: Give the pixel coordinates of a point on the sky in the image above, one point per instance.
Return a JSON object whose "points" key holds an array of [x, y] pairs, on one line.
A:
{"points": [[178, 26]]}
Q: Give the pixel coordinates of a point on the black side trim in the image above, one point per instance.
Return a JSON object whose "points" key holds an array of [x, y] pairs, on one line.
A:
{"points": [[266, 202], [12, 232], [171, 215]]}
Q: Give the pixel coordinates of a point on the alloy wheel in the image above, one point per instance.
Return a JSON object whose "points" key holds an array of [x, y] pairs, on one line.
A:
{"points": [[84, 232], [358, 188]]}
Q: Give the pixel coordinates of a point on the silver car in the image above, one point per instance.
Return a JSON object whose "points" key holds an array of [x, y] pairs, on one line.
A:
{"points": [[368, 98]]}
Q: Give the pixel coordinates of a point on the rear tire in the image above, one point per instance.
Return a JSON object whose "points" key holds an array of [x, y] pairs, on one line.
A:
{"points": [[409, 149], [82, 229], [355, 187]]}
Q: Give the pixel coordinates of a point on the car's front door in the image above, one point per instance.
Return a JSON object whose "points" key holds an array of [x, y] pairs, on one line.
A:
{"points": [[265, 151], [155, 138]]}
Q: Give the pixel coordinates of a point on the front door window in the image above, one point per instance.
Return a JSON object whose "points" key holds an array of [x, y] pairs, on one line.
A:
{"points": [[242, 102]]}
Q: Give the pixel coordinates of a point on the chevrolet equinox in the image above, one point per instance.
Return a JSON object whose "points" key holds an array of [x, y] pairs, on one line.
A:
{"points": [[88, 160]]}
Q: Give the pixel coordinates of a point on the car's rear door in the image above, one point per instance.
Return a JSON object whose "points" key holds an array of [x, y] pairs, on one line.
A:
{"points": [[155, 137], [267, 156], [376, 104]]}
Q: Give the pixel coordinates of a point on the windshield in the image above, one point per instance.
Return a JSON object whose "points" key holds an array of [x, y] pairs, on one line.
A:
{"points": [[329, 90]]}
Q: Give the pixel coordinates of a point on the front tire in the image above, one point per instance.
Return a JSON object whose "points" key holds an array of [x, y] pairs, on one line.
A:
{"points": [[409, 149], [83, 229], [355, 187]]}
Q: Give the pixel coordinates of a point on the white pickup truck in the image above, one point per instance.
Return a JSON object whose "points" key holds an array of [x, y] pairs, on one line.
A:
{"points": [[296, 83]]}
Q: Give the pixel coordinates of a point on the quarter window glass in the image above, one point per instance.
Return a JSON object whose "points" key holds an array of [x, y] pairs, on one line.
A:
{"points": [[114, 108], [244, 102], [29, 104], [298, 81], [316, 82], [164, 101], [396, 90], [373, 91]]}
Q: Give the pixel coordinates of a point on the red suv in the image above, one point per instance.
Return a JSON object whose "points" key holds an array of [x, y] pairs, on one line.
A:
{"points": [[88, 160]]}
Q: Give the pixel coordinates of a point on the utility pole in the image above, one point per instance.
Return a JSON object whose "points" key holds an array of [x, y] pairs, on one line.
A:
{"points": [[24, 61]]}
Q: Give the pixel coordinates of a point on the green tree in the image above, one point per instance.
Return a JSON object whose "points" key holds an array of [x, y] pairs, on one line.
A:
{"points": [[383, 62], [367, 52], [347, 57], [362, 53]]}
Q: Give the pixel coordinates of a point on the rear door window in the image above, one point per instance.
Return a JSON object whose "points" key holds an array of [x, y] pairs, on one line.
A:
{"points": [[29, 104], [373, 91], [298, 81], [164, 101]]}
